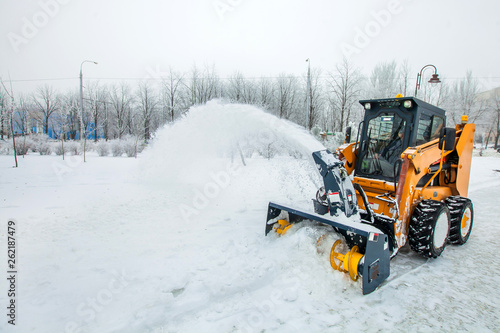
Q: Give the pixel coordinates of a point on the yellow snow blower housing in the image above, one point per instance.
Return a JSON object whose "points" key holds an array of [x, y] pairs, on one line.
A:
{"points": [[407, 176]]}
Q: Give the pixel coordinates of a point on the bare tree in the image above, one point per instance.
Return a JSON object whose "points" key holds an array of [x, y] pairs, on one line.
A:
{"points": [[241, 90], [265, 92], [316, 95], [171, 94], [106, 118], [464, 100], [63, 119], [22, 118], [46, 103], [383, 80], [98, 96], [345, 87], [195, 77], [286, 95], [147, 103], [121, 101], [205, 85], [494, 116], [235, 87], [71, 102], [11, 118], [3, 113], [404, 73]]}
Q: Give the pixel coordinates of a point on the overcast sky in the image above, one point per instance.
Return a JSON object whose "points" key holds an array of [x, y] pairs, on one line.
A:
{"points": [[48, 39]]}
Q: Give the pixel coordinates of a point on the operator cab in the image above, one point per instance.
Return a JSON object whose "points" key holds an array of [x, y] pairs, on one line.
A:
{"points": [[389, 127]]}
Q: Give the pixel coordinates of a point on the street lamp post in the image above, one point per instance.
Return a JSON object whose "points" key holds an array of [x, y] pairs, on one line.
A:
{"points": [[82, 127], [434, 78]]}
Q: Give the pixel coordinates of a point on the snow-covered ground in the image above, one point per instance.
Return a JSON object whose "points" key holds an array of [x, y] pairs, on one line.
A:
{"points": [[174, 242]]}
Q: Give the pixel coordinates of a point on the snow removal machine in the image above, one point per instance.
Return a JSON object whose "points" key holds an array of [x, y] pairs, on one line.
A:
{"points": [[404, 180]]}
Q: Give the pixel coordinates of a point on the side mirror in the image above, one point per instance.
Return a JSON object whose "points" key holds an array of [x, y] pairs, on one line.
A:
{"points": [[447, 137], [347, 137]]}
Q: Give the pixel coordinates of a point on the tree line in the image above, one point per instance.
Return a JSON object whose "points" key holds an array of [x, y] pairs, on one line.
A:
{"points": [[328, 102]]}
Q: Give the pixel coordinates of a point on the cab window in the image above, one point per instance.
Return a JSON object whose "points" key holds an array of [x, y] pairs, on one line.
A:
{"points": [[437, 124], [384, 145], [429, 128], [424, 129]]}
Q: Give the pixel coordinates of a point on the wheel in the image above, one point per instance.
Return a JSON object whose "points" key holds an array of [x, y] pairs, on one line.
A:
{"points": [[462, 217], [429, 228]]}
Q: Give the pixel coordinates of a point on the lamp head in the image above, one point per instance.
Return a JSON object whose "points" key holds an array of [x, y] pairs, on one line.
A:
{"points": [[434, 79]]}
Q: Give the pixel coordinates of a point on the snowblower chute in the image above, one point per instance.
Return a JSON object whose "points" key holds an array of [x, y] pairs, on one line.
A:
{"points": [[369, 255]]}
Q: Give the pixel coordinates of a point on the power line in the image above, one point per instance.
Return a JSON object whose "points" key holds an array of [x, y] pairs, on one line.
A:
{"points": [[36, 80], [222, 78]]}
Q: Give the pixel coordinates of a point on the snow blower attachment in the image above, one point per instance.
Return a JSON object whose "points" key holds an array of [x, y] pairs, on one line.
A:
{"points": [[338, 198]]}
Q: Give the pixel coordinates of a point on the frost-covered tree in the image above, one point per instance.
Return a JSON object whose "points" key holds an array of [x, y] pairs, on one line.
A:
{"points": [[121, 102], [463, 100], [265, 92], [235, 87], [285, 102], [71, 102], [344, 86], [316, 96], [46, 103], [11, 116], [147, 102], [496, 115], [404, 76], [22, 115], [492, 116], [204, 85], [97, 99], [383, 80], [3, 114], [172, 96], [241, 90]]}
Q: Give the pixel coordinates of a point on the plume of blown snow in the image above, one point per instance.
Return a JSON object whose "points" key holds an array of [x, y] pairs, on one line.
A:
{"points": [[209, 137]]}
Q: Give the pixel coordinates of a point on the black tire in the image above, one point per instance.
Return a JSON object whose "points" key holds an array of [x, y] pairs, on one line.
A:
{"points": [[429, 228], [462, 218]]}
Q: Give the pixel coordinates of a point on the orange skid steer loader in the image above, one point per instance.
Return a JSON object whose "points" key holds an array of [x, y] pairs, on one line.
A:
{"points": [[404, 180]]}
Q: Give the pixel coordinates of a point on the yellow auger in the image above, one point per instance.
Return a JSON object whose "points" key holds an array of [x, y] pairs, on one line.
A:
{"points": [[349, 261], [282, 227]]}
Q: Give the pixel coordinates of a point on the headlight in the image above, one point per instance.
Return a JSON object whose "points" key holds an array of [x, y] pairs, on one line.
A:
{"points": [[368, 106], [407, 104]]}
